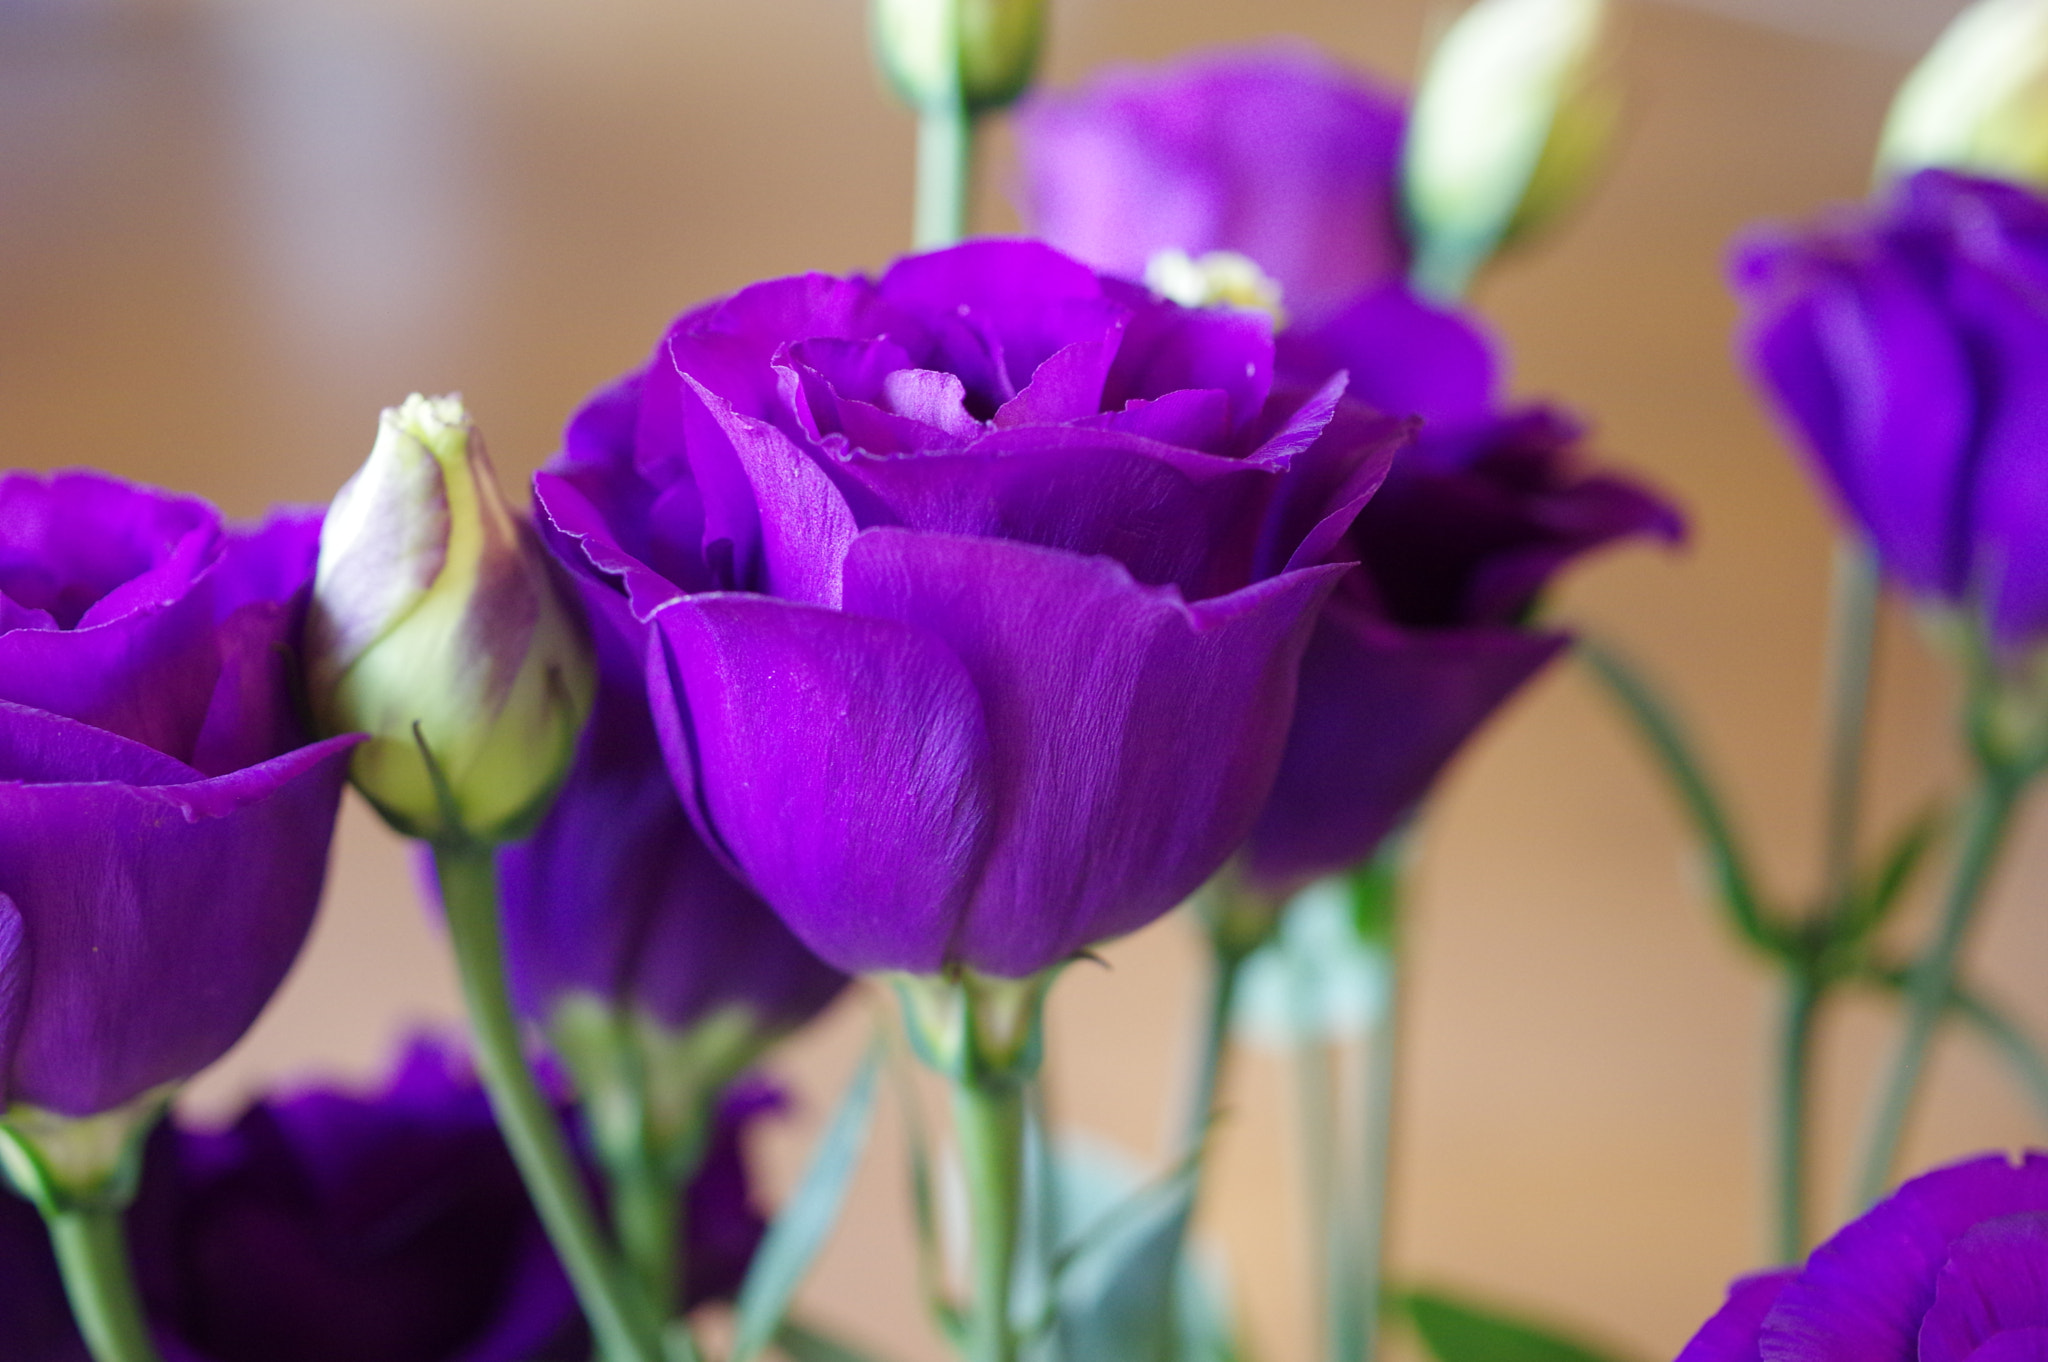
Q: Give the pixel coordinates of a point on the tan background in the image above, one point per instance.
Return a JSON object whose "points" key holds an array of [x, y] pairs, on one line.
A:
{"points": [[229, 233]]}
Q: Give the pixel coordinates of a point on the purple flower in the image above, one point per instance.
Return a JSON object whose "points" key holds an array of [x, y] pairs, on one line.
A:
{"points": [[615, 896], [1953, 1267], [330, 1227], [1907, 346], [163, 824], [979, 588], [1277, 153], [1430, 634]]}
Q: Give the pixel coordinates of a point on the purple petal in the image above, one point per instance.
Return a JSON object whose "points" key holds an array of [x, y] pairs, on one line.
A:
{"points": [[1381, 712], [1404, 356], [1734, 1333], [1994, 1282], [270, 562], [14, 982], [160, 918], [1167, 349], [1132, 736], [2015, 1345], [1277, 153], [1864, 1293], [841, 761]]}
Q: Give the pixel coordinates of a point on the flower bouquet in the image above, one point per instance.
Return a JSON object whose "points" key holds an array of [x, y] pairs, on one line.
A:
{"points": [[921, 632]]}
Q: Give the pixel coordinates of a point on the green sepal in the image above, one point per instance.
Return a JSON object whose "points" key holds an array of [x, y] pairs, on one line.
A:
{"points": [[973, 1028], [72, 1163]]}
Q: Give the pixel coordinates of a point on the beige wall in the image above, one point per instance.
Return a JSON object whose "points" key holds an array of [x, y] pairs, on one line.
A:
{"points": [[229, 234]]}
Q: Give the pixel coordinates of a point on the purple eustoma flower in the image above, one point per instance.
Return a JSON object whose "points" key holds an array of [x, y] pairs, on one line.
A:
{"points": [[1907, 346], [164, 824], [980, 590], [1277, 153], [331, 1227], [616, 897], [1430, 634], [1952, 1267]]}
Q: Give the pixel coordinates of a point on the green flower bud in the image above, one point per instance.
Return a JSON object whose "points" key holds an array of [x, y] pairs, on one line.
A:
{"points": [[439, 623], [973, 54], [1978, 101], [1216, 279], [1514, 116]]}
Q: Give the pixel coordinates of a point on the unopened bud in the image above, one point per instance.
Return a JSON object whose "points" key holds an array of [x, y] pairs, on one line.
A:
{"points": [[440, 628], [1978, 101], [976, 54], [1514, 117], [1216, 279]]}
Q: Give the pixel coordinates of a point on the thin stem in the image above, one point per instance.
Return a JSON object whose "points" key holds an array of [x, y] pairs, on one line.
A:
{"points": [[647, 1212], [1314, 1066], [92, 1254], [1932, 980], [1852, 633], [988, 1113], [1380, 1091], [620, 1318], [945, 174], [1226, 967], [1804, 993]]}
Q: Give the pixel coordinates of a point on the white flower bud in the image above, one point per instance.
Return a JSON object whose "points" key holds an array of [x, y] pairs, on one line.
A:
{"points": [[438, 619], [1513, 118], [979, 54], [1216, 279], [1978, 101]]}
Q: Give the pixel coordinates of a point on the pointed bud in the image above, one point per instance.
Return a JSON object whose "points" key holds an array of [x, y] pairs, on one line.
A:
{"points": [[1215, 279], [1978, 101], [439, 621], [977, 54], [1514, 117]]}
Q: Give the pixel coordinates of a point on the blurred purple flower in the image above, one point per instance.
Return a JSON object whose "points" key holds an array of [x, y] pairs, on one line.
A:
{"points": [[1278, 153], [163, 824], [1952, 1267], [616, 896], [330, 1227], [980, 590], [1430, 634], [1907, 346]]}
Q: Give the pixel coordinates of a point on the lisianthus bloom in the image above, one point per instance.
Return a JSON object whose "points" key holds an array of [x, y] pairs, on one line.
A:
{"points": [[1950, 1267], [1277, 153], [327, 1226], [979, 590], [164, 823], [1431, 632], [1907, 346], [615, 898]]}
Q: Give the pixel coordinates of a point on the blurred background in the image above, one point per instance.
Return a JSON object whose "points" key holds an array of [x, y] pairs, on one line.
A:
{"points": [[231, 230]]}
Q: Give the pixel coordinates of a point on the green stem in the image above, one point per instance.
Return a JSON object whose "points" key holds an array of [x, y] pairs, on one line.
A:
{"points": [[1804, 993], [1380, 1090], [945, 174], [1932, 980], [92, 1254], [648, 1216], [1314, 1066], [988, 1113], [1852, 632], [1226, 968], [619, 1316]]}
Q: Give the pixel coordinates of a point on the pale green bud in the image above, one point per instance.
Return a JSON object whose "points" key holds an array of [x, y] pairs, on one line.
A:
{"points": [[976, 54], [1514, 116], [439, 622], [1978, 101], [1216, 279]]}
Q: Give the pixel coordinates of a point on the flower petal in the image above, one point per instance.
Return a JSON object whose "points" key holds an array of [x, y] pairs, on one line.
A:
{"points": [[1732, 1335], [1994, 1282], [841, 761], [1133, 737], [160, 917]]}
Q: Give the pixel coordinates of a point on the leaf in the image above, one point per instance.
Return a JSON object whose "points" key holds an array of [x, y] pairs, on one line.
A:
{"points": [[1455, 1330], [793, 1241], [1672, 747], [1883, 887], [1127, 1291], [801, 1342]]}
